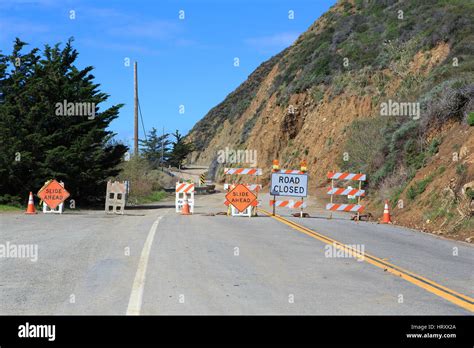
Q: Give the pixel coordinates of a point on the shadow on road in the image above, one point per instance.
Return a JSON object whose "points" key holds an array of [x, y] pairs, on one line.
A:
{"points": [[149, 206]]}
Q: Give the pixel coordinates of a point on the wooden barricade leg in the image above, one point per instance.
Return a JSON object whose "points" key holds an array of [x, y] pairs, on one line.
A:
{"points": [[332, 186]]}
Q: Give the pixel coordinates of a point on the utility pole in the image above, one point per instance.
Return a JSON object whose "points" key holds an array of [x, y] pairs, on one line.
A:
{"points": [[136, 109], [162, 149]]}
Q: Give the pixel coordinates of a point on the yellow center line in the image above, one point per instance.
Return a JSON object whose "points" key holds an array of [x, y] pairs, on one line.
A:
{"points": [[460, 300]]}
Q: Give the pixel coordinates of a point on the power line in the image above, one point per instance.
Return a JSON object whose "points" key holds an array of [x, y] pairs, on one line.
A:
{"points": [[141, 117]]}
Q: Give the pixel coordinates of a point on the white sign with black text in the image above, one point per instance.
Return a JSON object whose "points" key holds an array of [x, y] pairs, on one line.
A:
{"points": [[294, 185]]}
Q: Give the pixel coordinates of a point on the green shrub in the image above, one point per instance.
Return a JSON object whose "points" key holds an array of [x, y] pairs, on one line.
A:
{"points": [[11, 200], [434, 146], [470, 193], [395, 195], [411, 193], [419, 186], [470, 118], [144, 180], [461, 169]]}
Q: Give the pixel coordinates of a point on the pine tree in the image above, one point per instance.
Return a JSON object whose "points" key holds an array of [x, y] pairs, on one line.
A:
{"points": [[39, 143], [154, 147], [181, 149]]}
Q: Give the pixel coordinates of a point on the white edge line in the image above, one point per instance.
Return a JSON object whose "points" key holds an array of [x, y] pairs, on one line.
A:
{"points": [[136, 297]]}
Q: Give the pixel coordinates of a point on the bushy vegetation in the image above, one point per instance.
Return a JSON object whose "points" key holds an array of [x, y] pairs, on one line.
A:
{"points": [[445, 93], [359, 49], [374, 37], [418, 188], [160, 151], [146, 182], [39, 143], [470, 118]]}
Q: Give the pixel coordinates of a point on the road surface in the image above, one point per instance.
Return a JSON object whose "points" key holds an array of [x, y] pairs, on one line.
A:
{"points": [[155, 261]]}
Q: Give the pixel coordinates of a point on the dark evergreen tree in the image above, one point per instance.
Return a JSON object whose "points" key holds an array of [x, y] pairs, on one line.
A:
{"points": [[38, 140], [181, 149], [154, 147]]}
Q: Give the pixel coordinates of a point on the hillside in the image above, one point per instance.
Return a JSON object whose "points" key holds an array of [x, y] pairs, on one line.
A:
{"points": [[380, 87]]}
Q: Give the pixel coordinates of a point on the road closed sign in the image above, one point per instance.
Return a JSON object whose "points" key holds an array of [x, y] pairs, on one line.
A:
{"points": [[294, 185]]}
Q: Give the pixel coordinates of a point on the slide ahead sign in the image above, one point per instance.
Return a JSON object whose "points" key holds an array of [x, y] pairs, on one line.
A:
{"points": [[294, 185]]}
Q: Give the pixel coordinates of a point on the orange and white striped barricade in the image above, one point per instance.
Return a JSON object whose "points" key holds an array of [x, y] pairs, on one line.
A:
{"points": [[288, 182], [243, 171], [291, 171], [290, 204], [346, 176], [346, 192], [184, 191], [255, 188], [357, 208], [350, 192]]}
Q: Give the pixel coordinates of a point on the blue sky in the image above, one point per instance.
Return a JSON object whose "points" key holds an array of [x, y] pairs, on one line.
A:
{"points": [[186, 61]]}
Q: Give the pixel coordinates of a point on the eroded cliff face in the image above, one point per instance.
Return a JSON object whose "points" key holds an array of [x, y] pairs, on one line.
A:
{"points": [[304, 103], [306, 128]]}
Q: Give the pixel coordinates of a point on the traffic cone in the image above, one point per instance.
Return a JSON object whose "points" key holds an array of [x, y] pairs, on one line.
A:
{"points": [[31, 205], [185, 210], [386, 214]]}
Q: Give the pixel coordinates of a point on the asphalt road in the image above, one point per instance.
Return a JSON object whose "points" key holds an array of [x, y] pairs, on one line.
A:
{"points": [[154, 261]]}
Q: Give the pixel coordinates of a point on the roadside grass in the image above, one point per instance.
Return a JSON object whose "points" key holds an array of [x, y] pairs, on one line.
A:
{"points": [[440, 212], [467, 225], [9, 208], [155, 196]]}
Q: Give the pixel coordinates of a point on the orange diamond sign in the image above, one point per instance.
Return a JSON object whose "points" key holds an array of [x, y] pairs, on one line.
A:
{"points": [[53, 194], [240, 197]]}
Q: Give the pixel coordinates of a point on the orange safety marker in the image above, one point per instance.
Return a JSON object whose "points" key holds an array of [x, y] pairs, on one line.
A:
{"points": [[304, 166], [276, 165], [240, 197], [53, 194], [31, 205], [185, 210], [386, 214]]}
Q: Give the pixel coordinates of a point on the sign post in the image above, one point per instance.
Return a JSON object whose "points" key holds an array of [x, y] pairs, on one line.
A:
{"points": [[274, 205], [275, 168], [303, 168]]}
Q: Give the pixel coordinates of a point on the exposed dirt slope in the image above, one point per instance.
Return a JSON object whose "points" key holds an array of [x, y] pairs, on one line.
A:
{"points": [[321, 100]]}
